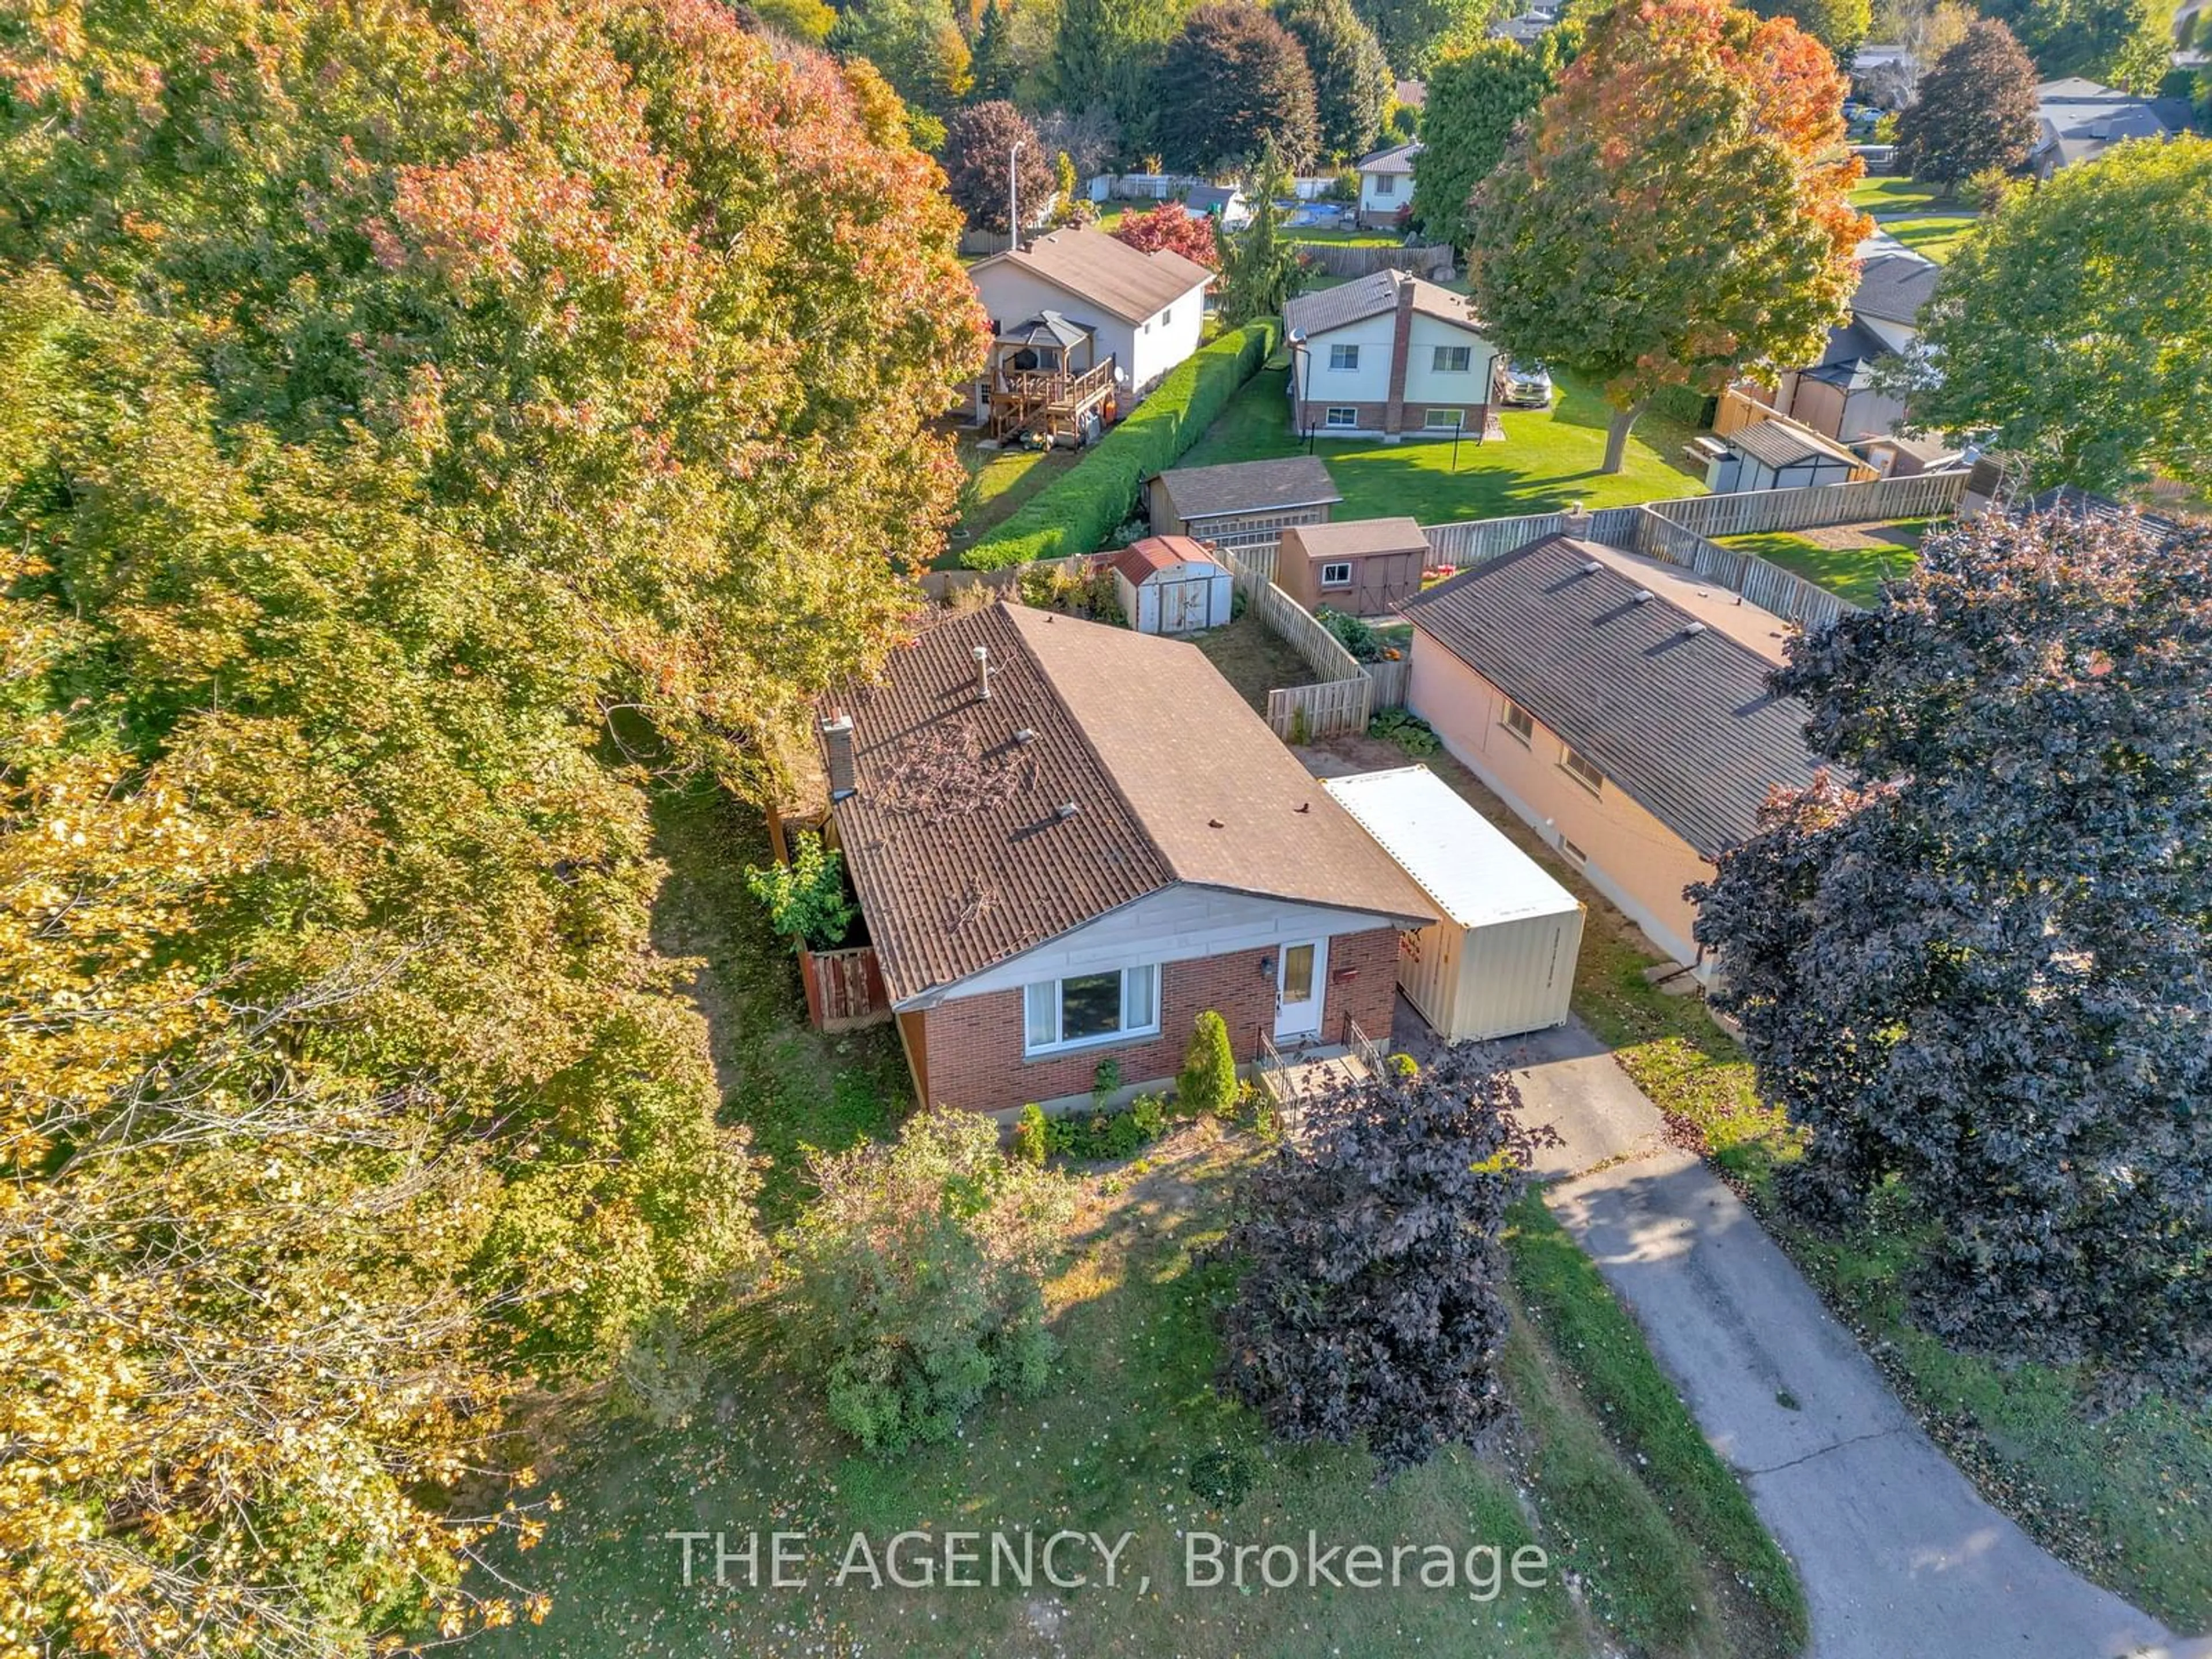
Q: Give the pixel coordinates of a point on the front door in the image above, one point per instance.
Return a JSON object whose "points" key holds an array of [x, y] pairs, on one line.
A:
{"points": [[1300, 970]]}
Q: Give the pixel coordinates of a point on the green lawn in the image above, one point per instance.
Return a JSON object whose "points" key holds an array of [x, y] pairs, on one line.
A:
{"points": [[1919, 216], [1130, 1436], [1854, 572], [1549, 459], [1934, 237], [1000, 481], [1122, 1442]]}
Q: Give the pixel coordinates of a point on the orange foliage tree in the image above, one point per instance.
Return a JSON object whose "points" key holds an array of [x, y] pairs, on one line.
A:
{"points": [[1677, 212], [393, 398]]}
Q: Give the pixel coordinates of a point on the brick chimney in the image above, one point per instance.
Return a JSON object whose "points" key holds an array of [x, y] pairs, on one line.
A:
{"points": [[837, 752], [1401, 348]]}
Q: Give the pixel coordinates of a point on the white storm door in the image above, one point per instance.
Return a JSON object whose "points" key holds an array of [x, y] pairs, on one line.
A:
{"points": [[1300, 970]]}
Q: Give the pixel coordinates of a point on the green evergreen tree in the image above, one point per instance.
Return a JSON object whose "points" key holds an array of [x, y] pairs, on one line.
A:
{"points": [[1207, 1086], [990, 60], [1259, 268], [1481, 88], [1351, 75]]}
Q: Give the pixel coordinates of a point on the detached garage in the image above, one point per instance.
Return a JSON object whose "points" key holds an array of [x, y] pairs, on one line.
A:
{"points": [[1171, 585], [1502, 961]]}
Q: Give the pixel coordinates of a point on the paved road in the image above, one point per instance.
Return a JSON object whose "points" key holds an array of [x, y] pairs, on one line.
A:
{"points": [[1899, 1554]]}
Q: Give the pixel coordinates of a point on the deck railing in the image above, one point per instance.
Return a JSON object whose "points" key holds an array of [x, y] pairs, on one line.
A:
{"points": [[1364, 1048]]}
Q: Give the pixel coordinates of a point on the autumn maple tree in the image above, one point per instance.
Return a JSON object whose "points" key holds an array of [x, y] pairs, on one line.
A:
{"points": [[1677, 212], [382, 487], [1170, 226]]}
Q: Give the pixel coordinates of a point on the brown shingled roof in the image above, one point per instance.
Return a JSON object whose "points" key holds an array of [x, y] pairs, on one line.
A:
{"points": [[1132, 284], [956, 839]]}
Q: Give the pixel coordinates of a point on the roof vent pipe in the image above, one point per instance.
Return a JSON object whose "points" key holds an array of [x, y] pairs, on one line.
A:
{"points": [[983, 671]]}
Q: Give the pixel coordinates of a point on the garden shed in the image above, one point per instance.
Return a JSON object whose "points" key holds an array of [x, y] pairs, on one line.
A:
{"points": [[1502, 961], [1242, 505], [1171, 585], [1361, 567]]}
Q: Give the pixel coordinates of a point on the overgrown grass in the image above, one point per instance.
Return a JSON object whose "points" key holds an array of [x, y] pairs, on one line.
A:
{"points": [[1253, 659], [1696, 1503], [1549, 458], [1116, 1445], [787, 1082]]}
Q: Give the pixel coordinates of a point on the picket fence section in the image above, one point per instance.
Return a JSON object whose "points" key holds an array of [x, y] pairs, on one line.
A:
{"points": [[1344, 699]]}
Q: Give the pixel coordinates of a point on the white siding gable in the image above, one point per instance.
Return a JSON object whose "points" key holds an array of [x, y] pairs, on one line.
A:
{"points": [[1180, 923], [1368, 383], [1426, 384]]}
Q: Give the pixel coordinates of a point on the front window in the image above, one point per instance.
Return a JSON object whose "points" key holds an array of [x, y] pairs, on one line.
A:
{"points": [[1453, 359], [1583, 772], [1520, 722], [1386, 184], [1064, 1013], [1341, 416], [1344, 357], [1443, 420], [1336, 575]]}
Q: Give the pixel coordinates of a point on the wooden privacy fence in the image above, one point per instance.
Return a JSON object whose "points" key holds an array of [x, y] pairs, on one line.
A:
{"points": [[1812, 507], [1477, 541], [1389, 680], [1341, 260], [1344, 699], [1767, 585], [941, 585], [844, 988]]}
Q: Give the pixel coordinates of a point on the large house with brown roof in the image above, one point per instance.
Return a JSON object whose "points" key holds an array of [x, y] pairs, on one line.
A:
{"points": [[1388, 356], [1070, 840], [1617, 704], [1143, 312]]}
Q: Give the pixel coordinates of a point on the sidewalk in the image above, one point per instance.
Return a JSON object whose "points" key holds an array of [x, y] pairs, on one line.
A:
{"points": [[1899, 1554]]}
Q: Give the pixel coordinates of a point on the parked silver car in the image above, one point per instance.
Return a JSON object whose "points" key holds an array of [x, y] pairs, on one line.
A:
{"points": [[1528, 385]]}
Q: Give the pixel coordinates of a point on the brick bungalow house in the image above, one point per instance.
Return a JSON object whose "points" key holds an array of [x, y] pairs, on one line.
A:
{"points": [[1069, 840], [1389, 356], [1620, 706]]}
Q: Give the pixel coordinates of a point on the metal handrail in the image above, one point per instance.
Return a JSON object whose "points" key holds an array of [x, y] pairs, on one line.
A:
{"points": [[1369, 1051]]}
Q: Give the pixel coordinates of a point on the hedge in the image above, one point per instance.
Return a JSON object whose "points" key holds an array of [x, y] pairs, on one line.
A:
{"points": [[1079, 509]]}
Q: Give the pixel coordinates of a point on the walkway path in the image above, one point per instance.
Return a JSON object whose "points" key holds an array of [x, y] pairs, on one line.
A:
{"points": [[1899, 1554]]}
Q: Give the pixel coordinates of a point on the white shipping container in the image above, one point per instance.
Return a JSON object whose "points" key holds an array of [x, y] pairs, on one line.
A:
{"points": [[1502, 961]]}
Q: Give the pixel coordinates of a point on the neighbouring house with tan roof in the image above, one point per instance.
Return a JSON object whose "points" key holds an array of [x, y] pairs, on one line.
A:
{"points": [[1240, 505], [1141, 312], [1620, 706], [1361, 567], [1388, 356], [1070, 840]]}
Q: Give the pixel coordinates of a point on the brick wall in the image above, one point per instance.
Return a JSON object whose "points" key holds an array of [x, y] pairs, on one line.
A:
{"points": [[1375, 417], [975, 1043]]}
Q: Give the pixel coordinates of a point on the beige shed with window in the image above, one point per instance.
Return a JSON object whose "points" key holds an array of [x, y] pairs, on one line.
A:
{"points": [[1502, 961], [1361, 567]]}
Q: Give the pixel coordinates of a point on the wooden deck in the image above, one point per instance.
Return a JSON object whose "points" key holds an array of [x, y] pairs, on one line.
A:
{"points": [[1052, 402]]}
